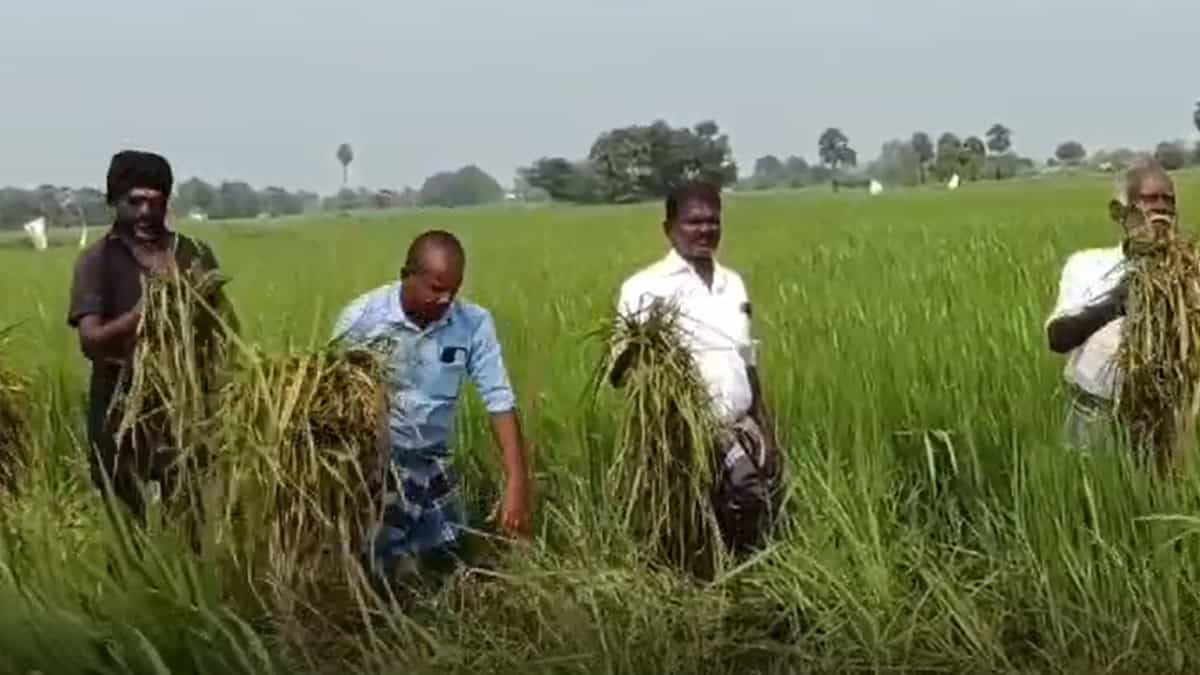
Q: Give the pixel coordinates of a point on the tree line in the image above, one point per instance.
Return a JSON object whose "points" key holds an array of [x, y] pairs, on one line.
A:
{"points": [[624, 165], [635, 163], [63, 206]]}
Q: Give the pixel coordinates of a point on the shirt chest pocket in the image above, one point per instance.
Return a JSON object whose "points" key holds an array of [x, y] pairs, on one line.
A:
{"points": [[727, 320], [446, 368]]}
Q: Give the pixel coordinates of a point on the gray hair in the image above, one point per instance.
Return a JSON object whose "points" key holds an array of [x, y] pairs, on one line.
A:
{"points": [[1126, 187]]}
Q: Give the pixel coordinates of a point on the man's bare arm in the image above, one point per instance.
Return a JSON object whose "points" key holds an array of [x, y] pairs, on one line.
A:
{"points": [[100, 339], [1068, 332], [761, 415], [514, 514]]}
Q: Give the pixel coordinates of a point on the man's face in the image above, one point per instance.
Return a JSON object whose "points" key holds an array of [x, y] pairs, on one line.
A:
{"points": [[1152, 204], [696, 232], [143, 212], [432, 287], [1156, 199]]}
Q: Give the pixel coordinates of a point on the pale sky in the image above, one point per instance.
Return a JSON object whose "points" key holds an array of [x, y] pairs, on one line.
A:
{"points": [[264, 90]]}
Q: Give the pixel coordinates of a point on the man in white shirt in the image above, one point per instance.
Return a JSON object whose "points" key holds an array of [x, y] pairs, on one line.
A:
{"points": [[1087, 319], [715, 313]]}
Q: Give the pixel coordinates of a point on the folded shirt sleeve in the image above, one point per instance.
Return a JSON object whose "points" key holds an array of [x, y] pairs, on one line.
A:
{"points": [[348, 327], [485, 365], [87, 284], [1072, 290]]}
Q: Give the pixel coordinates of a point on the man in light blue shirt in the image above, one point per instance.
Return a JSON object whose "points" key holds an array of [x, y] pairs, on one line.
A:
{"points": [[434, 342]]}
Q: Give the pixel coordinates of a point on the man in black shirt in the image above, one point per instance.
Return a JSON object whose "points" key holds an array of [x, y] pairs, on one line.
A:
{"points": [[106, 309]]}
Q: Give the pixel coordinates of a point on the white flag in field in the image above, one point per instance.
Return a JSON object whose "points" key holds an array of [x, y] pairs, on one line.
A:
{"points": [[83, 236], [876, 187], [36, 229], [953, 184]]}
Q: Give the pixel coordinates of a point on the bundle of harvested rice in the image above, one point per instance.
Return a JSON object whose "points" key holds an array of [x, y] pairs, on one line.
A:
{"points": [[302, 463], [1159, 357], [167, 402], [663, 468], [13, 422]]}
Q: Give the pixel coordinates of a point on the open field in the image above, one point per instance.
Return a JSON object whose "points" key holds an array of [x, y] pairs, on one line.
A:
{"points": [[935, 523]]}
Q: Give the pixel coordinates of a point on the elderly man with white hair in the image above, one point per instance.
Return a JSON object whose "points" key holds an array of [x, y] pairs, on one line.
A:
{"points": [[1088, 316]]}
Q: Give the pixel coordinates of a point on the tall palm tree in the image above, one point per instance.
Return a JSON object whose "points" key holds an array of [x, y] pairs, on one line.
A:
{"points": [[345, 155]]}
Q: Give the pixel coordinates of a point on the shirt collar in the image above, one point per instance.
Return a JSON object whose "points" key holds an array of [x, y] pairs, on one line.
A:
{"points": [[674, 264], [397, 315]]}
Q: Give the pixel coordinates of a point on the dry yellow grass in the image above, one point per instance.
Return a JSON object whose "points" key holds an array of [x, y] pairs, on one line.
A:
{"points": [[1159, 357]]}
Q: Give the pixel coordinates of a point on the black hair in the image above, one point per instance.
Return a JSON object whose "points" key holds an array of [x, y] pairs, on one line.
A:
{"points": [[693, 191], [432, 239], [131, 169]]}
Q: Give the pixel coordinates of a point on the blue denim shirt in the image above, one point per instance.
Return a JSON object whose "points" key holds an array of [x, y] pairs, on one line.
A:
{"points": [[426, 367]]}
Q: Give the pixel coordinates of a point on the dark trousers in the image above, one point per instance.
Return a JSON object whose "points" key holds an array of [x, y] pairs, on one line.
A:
{"points": [[748, 495], [123, 464]]}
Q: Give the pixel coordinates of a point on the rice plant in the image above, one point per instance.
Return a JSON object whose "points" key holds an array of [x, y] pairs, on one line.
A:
{"points": [[662, 469], [1159, 358], [14, 419], [299, 470], [934, 523]]}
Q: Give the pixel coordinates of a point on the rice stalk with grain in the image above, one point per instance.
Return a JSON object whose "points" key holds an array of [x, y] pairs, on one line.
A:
{"points": [[167, 405], [661, 473], [14, 420], [1159, 357], [300, 469]]}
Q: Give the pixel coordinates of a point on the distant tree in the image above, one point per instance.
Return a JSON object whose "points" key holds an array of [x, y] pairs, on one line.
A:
{"points": [[999, 139], [798, 172], [712, 155], [922, 145], [17, 207], [562, 179], [345, 155], [309, 201], [279, 202], [972, 157], [1004, 166], [238, 200], [646, 162], [468, 186], [624, 163], [1171, 155], [1196, 116], [196, 195], [92, 205], [835, 152], [832, 147], [528, 193], [898, 164], [345, 200], [949, 156], [1070, 152], [819, 174], [768, 167], [1115, 159]]}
